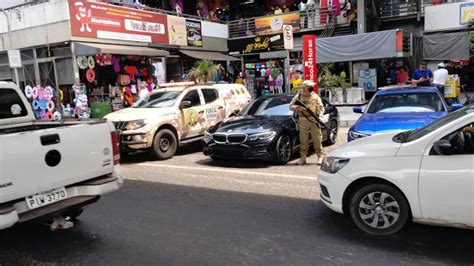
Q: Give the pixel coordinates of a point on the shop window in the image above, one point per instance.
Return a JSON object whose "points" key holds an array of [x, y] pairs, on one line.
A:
{"points": [[29, 75], [193, 97], [11, 104], [3, 59], [46, 71], [210, 95], [27, 55]]}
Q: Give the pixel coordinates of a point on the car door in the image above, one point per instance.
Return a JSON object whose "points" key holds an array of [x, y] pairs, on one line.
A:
{"points": [[446, 182], [192, 117], [214, 106]]}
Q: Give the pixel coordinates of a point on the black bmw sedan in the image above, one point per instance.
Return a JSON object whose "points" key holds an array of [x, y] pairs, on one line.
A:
{"points": [[265, 129]]}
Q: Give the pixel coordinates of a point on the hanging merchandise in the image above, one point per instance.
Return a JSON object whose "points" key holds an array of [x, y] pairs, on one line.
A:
{"points": [[48, 93], [90, 62], [123, 80], [80, 101], [90, 75], [34, 93], [103, 59], [82, 62], [29, 92], [42, 102]]}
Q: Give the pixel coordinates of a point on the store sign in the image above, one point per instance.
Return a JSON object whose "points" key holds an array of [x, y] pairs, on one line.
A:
{"points": [[103, 21], [177, 32], [288, 36], [448, 16], [256, 45], [466, 11], [14, 58], [368, 79], [274, 24], [194, 32], [310, 69]]}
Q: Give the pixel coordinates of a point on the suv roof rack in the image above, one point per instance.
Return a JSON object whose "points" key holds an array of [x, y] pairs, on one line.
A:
{"points": [[176, 84]]}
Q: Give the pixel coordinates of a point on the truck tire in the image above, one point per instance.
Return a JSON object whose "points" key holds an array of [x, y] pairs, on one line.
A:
{"points": [[164, 144]]}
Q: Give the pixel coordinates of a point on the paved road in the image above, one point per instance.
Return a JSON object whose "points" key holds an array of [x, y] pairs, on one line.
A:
{"points": [[192, 211]]}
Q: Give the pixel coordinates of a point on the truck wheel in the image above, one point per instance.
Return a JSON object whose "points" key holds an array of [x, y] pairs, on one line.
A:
{"points": [[379, 209], [164, 144], [73, 213]]}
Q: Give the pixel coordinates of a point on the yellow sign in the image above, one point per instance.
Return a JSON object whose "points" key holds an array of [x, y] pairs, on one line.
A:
{"points": [[466, 13], [274, 24], [259, 45]]}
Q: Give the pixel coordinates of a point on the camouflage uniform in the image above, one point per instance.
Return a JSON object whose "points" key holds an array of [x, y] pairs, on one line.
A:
{"points": [[307, 124]]}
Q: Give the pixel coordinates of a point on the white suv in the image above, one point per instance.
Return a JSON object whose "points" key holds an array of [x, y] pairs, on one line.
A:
{"points": [[426, 175]]}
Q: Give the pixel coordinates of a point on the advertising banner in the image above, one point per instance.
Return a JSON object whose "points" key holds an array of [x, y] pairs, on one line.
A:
{"points": [[288, 36], [194, 32], [368, 79], [448, 16], [257, 44], [177, 31], [309, 59], [274, 24], [103, 21]]}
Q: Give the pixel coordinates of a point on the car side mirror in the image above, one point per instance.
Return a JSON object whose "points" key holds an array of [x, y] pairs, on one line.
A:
{"points": [[185, 104], [234, 113], [456, 106], [443, 147], [357, 109]]}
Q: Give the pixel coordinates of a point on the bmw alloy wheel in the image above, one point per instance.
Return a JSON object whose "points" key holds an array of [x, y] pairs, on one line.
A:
{"points": [[283, 149]]}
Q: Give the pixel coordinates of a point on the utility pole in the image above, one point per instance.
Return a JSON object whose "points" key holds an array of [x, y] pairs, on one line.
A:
{"points": [[11, 41]]}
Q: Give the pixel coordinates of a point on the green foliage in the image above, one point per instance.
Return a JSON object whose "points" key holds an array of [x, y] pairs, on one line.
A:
{"points": [[329, 81], [203, 71]]}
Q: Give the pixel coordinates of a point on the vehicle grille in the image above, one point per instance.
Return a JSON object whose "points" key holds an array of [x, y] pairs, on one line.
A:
{"points": [[120, 125], [233, 138]]}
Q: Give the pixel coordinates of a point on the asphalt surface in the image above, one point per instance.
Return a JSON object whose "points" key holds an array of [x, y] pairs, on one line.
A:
{"points": [[192, 211]]}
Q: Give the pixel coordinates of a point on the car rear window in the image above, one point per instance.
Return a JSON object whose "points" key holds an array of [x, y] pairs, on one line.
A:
{"points": [[11, 105]]}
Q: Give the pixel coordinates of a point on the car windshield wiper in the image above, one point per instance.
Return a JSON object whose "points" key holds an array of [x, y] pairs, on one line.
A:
{"points": [[402, 136]]}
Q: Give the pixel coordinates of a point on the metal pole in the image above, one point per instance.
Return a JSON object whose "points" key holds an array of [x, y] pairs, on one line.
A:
{"points": [[11, 42]]}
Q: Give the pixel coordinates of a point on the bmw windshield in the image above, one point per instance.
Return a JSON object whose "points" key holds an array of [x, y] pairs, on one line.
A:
{"points": [[406, 102], [274, 106], [158, 100]]}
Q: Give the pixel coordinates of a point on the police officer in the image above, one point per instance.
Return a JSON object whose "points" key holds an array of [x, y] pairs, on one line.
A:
{"points": [[306, 123]]}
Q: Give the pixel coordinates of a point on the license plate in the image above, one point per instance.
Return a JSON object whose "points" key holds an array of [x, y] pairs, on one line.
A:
{"points": [[46, 198]]}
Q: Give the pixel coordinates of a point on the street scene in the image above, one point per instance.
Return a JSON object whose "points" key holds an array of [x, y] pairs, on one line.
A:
{"points": [[314, 132]]}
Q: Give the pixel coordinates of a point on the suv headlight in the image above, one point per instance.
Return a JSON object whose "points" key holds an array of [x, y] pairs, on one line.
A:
{"points": [[357, 135], [134, 125], [207, 137], [262, 136], [333, 164]]}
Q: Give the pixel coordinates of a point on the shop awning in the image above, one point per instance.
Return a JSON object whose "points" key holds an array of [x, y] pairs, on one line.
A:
{"points": [[83, 49], [366, 46], [446, 46], [208, 55]]}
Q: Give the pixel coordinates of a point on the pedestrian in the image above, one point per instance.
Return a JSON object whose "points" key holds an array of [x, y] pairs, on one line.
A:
{"points": [[402, 75], [278, 11], [306, 123], [440, 76], [450, 67], [239, 79], [422, 76], [285, 9]]}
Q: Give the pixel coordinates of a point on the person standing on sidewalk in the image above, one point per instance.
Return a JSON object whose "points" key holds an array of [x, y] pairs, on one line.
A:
{"points": [[440, 77], [307, 124], [422, 76]]}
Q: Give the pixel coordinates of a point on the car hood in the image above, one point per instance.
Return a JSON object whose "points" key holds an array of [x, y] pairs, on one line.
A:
{"points": [[390, 122], [380, 145], [250, 124], [131, 114]]}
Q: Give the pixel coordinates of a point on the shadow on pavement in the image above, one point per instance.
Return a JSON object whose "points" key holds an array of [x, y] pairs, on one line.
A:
{"points": [[157, 223], [147, 156]]}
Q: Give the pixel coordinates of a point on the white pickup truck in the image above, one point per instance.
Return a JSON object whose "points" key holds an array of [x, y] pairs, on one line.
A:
{"points": [[52, 169]]}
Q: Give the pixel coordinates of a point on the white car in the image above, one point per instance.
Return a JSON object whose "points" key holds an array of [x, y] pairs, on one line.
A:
{"points": [[425, 175]]}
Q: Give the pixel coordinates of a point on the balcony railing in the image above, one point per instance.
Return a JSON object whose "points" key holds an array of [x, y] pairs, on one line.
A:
{"points": [[405, 8], [313, 19]]}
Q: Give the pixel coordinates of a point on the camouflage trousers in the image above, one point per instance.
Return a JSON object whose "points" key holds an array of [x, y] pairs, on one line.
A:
{"points": [[305, 128]]}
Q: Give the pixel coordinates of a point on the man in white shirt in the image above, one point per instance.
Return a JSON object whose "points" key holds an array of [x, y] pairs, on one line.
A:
{"points": [[440, 77]]}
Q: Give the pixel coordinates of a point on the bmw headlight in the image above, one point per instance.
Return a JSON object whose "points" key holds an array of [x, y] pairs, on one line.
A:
{"points": [[357, 135], [262, 136], [333, 164], [134, 125], [207, 137]]}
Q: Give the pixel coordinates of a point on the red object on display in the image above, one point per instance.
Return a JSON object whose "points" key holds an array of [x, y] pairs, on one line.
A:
{"points": [[323, 18], [309, 60], [90, 75]]}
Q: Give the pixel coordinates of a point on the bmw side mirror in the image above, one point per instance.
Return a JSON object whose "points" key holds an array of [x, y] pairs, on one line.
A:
{"points": [[185, 104], [443, 147], [357, 109], [456, 106]]}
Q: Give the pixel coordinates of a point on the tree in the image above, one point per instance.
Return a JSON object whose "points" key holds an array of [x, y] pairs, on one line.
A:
{"points": [[203, 71]]}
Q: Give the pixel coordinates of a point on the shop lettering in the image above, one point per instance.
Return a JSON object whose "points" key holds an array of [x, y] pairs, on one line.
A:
{"points": [[257, 45], [193, 24], [106, 22], [309, 60], [142, 26]]}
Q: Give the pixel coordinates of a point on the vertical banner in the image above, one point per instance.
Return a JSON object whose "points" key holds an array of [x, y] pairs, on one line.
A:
{"points": [[194, 32], [288, 36], [177, 31], [309, 59]]}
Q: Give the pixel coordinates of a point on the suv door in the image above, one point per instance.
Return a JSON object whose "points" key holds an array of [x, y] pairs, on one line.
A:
{"points": [[214, 106], [446, 183], [192, 122]]}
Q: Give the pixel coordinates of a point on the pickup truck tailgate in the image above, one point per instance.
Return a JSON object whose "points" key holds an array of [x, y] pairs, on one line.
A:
{"points": [[74, 153]]}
